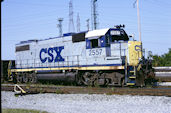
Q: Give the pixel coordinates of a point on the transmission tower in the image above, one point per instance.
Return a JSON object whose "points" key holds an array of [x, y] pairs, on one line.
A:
{"points": [[78, 23], [60, 26], [71, 22], [94, 14], [88, 24]]}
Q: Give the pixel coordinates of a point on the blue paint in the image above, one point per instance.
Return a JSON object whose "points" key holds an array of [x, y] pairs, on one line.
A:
{"points": [[43, 50], [102, 41], [68, 34], [138, 48], [49, 51], [50, 58], [88, 44], [58, 52]]}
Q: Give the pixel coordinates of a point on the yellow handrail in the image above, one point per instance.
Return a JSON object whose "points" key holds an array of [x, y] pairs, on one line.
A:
{"points": [[9, 71]]}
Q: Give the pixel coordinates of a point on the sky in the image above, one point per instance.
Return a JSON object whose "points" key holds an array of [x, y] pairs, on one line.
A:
{"points": [[23, 20]]}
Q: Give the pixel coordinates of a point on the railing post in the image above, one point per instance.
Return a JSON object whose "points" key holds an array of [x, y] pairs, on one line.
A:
{"points": [[78, 60], [126, 70], [34, 62], [54, 64], [68, 61]]}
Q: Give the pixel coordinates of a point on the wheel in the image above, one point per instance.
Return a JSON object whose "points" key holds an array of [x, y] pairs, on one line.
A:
{"points": [[19, 79], [25, 78], [96, 83], [78, 79], [86, 79], [106, 82], [33, 78]]}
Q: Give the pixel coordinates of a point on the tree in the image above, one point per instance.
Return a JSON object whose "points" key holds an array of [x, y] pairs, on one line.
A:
{"points": [[163, 60]]}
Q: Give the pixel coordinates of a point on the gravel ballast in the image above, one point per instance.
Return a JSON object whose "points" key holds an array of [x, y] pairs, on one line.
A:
{"points": [[87, 103]]}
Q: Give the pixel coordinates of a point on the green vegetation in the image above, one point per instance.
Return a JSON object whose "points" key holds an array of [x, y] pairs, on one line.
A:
{"points": [[163, 60], [58, 91], [21, 111]]}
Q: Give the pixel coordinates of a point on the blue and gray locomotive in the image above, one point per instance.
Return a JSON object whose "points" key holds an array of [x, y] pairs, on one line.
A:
{"points": [[97, 57]]}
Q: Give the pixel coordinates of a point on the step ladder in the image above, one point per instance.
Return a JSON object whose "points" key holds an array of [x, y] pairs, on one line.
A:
{"points": [[131, 76]]}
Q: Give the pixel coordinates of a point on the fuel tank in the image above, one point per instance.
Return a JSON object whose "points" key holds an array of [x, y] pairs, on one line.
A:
{"points": [[57, 76]]}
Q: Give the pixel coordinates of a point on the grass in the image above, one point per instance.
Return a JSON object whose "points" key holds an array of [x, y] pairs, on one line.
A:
{"points": [[60, 92], [21, 111]]}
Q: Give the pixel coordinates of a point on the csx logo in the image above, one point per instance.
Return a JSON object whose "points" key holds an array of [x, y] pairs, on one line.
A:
{"points": [[51, 56], [138, 48]]}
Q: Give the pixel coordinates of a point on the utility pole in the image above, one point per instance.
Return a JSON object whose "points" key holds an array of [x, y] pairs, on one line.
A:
{"points": [[60, 26], [139, 24]]}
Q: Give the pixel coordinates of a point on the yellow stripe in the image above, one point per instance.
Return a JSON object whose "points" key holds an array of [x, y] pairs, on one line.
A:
{"points": [[131, 71], [132, 77], [130, 84], [68, 68]]}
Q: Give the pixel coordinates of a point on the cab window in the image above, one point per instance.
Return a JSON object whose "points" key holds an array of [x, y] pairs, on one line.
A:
{"points": [[118, 35], [94, 43]]}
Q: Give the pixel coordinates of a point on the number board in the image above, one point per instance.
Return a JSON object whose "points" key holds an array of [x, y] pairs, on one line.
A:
{"points": [[95, 52], [115, 32]]}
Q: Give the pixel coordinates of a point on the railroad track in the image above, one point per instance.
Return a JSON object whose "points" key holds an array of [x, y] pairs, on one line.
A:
{"points": [[33, 89]]}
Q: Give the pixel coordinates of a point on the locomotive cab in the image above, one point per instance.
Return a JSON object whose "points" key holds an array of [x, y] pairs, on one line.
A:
{"points": [[101, 42], [104, 37]]}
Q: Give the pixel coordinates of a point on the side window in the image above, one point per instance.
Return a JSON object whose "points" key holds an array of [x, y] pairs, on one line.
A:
{"points": [[94, 43], [22, 48]]}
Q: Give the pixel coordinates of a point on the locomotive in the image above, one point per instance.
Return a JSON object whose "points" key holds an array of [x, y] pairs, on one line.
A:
{"points": [[98, 57]]}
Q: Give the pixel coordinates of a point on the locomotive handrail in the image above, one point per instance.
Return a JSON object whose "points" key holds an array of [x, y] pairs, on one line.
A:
{"points": [[70, 61], [27, 63], [9, 70]]}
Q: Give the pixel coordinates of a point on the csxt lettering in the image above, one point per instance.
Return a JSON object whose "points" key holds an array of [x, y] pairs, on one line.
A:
{"points": [[51, 52]]}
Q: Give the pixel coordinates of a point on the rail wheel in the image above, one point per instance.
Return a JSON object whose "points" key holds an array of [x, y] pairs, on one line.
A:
{"points": [[32, 78], [87, 79], [78, 79], [96, 83], [106, 82], [25, 78], [19, 79]]}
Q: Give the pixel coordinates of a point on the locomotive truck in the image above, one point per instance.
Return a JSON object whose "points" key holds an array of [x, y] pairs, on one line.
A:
{"points": [[98, 57]]}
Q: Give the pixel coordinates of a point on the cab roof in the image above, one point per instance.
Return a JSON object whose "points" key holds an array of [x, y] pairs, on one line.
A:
{"points": [[96, 33]]}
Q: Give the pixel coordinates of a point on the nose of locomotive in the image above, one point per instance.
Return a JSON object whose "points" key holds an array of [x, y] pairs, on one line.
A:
{"points": [[134, 52]]}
